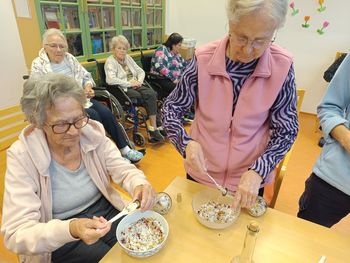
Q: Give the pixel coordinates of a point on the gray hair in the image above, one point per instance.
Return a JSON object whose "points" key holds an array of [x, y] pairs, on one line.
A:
{"points": [[120, 39], [276, 9], [52, 32], [41, 94]]}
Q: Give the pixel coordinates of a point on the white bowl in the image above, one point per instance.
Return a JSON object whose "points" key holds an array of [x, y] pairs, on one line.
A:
{"points": [[205, 196], [132, 218]]}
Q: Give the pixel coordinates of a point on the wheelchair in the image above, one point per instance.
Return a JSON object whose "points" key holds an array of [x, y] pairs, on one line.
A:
{"points": [[132, 112]]}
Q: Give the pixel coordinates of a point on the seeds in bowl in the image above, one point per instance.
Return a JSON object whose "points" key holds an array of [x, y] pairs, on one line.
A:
{"points": [[143, 235], [216, 212]]}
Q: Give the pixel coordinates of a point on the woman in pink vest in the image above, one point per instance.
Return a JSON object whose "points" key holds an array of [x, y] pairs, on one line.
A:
{"points": [[245, 99]]}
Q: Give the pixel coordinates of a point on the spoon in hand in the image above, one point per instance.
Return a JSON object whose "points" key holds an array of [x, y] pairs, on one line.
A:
{"points": [[127, 210], [218, 186]]}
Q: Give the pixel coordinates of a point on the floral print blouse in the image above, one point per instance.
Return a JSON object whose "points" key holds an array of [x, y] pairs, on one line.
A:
{"points": [[168, 64]]}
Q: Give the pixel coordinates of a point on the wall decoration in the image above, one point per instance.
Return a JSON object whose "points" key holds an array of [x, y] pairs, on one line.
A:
{"points": [[322, 7], [306, 20], [324, 25], [294, 10]]}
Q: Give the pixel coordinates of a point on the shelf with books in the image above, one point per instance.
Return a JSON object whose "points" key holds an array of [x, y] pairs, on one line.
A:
{"points": [[136, 2], [97, 43], [71, 17], [108, 17], [108, 37], [149, 17], [94, 14], [125, 17], [136, 17], [52, 16]]}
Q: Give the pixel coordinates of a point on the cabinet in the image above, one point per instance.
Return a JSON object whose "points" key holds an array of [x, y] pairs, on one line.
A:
{"points": [[89, 25]]}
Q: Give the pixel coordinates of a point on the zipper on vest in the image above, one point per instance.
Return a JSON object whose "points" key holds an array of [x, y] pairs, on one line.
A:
{"points": [[229, 152]]}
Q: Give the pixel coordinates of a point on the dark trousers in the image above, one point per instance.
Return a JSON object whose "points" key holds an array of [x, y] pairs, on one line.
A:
{"points": [[167, 85], [148, 95], [102, 114], [78, 251], [322, 203], [261, 190]]}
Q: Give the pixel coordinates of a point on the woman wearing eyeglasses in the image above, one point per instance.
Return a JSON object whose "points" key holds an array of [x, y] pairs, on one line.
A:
{"points": [[53, 57], [244, 91], [58, 193]]}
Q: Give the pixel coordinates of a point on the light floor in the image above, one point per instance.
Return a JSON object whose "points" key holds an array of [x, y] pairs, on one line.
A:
{"points": [[162, 164]]}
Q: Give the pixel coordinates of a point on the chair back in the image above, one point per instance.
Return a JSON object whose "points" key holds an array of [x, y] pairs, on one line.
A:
{"points": [[146, 60], [282, 166]]}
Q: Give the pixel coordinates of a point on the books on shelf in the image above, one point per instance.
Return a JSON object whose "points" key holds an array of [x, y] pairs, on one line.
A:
{"points": [[97, 45], [94, 18], [136, 17], [71, 18], [125, 17], [108, 17], [52, 18]]}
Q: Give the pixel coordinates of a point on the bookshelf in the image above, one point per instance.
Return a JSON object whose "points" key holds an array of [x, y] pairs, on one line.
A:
{"points": [[89, 25]]}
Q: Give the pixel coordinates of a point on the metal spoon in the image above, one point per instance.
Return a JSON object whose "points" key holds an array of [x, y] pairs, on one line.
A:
{"points": [[222, 189], [127, 209]]}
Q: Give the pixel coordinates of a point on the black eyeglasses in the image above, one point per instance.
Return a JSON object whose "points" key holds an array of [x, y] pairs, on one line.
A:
{"points": [[64, 127]]}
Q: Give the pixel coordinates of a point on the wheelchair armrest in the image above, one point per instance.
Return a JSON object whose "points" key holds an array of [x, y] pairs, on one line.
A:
{"points": [[120, 95], [150, 75], [100, 88]]}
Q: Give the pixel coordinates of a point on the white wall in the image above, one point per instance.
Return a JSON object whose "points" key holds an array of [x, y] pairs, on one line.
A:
{"points": [[205, 20], [12, 66]]}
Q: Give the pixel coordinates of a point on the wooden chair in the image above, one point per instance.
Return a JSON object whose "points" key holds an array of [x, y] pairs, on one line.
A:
{"points": [[282, 166]]}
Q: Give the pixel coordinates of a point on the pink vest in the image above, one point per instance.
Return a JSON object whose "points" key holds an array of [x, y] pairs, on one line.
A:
{"points": [[231, 143]]}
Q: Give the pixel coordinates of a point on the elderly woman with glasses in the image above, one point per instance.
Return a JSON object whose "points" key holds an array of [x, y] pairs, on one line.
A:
{"points": [[58, 193], [53, 57], [245, 99], [123, 71]]}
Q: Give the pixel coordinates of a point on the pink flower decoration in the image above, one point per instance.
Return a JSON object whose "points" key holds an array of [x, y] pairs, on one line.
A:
{"points": [[292, 5], [325, 24]]}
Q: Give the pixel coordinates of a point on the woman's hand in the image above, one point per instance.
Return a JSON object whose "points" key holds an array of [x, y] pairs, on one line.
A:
{"points": [[146, 195], [89, 91], [248, 189], [135, 84], [89, 230], [195, 159]]}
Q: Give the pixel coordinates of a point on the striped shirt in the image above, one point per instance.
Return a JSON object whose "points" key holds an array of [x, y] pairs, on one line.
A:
{"points": [[283, 114]]}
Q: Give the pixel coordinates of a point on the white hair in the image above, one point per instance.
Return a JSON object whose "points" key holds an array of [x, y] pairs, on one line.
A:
{"points": [[41, 93], [276, 9], [53, 32], [120, 39]]}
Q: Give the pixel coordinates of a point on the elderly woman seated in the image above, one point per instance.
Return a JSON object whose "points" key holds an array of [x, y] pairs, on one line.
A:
{"points": [[58, 193], [168, 62], [122, 70], [54, 58]]}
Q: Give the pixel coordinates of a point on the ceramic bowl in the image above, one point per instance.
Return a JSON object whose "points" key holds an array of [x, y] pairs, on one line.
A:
{"points": [[134, 217], [213, 195]]}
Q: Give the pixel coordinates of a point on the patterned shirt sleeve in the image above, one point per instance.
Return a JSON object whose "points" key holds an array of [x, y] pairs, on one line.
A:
{"points": [[283, 127], [177, 104]]}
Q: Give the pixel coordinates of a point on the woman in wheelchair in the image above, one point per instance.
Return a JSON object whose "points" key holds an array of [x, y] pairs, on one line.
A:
{"points": [[123, 71], [167, 62], [53, 57]]}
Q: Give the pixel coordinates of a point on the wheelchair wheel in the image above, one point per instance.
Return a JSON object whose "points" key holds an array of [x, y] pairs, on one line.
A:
{"points": [[118, 110], [139, 140]]}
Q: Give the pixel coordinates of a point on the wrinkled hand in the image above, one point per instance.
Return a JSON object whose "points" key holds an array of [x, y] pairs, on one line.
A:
{"points": [[135, 83], [248, 189], [195, 159], [89, 230], [146, 195], [89, 91]]}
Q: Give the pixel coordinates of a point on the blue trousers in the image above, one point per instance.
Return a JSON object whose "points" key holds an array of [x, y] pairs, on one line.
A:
{"points": [[78, 251], [102, 114]]}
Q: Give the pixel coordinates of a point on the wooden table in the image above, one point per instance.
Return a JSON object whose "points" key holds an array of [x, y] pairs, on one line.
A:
{"points": [[282, 238]]}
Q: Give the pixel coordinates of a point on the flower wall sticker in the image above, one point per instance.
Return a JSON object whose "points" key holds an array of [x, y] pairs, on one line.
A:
{"points": [[306, 20], [322, 7], [321, 30], [294, 10]]}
